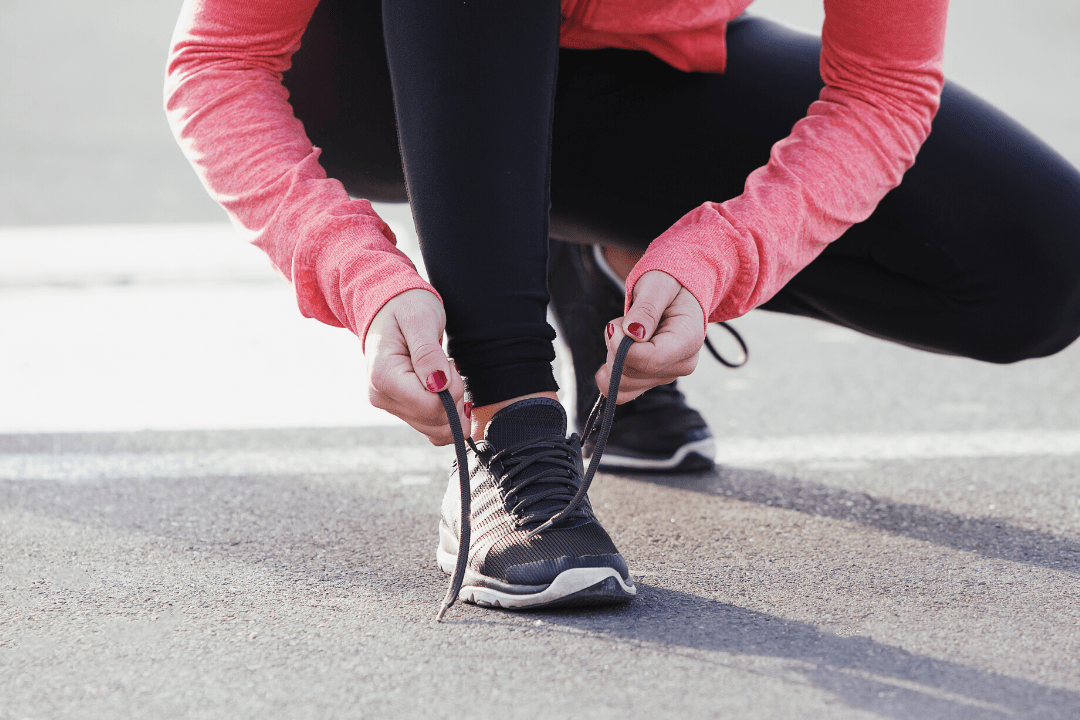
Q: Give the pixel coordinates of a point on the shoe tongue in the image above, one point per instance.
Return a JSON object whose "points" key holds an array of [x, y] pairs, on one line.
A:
{"points": [[526, 420]]}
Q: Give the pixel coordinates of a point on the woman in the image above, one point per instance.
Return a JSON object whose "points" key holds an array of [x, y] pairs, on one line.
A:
{"points": [[718, 162]]}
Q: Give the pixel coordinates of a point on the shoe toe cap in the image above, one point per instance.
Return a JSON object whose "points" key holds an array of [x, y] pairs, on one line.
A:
{"points": [[542, 572], [537, 560]]}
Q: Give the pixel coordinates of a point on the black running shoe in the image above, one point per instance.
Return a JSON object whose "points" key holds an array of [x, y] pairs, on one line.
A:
{"points": [[523, 475], [656, 432]]}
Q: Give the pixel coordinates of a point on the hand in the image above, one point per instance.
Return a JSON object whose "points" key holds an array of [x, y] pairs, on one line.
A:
{"points": [[407, 365], [668, 328]]}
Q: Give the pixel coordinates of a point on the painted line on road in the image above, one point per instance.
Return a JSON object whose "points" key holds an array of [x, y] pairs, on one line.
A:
{"points": [[907, 446], [394, 461], [407, 462]]}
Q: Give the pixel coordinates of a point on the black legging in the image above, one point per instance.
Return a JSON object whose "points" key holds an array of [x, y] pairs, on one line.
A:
{"points": [[977, 253]]}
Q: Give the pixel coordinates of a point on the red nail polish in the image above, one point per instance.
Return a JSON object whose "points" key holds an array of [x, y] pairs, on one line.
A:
{"points": [[436, 381], [468, 410], [637, 330], [610, 330]]}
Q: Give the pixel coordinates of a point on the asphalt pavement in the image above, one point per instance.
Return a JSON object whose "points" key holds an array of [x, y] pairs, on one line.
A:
{"points": [[201, 517]]}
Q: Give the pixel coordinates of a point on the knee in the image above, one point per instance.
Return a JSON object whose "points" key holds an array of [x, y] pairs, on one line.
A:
{"points": [[1037, 326]]}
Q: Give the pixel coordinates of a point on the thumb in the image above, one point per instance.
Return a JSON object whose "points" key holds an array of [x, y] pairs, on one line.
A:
{"points": [[428, 359], [653, 293]]}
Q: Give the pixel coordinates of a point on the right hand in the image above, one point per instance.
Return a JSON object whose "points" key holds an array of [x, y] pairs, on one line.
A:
{"points": [[668, 326], [404, 361]]}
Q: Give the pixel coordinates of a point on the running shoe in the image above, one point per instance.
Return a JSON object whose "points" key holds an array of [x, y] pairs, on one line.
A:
{"points": [[533, 538], [655, 432]]}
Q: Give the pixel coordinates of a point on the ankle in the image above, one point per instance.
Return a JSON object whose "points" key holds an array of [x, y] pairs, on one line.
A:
{"points": [[481, 415], [620, 261]]}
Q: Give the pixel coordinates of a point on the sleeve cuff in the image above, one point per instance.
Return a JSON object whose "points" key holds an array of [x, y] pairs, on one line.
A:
{"points": [[694, 252]]}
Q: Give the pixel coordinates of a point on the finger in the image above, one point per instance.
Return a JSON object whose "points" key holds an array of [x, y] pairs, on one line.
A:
{"points": [[631, 392], [663, 355], [396, 389], [393, 386], [653, 293], [436, 371], [672, 350], [422, 333], [629, 388], [438, 436], [422, 418], [674, 369], [437, 432], [674, 346]]}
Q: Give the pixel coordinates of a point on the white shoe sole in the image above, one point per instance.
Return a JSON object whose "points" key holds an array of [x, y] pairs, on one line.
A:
{"points": [[705, 448], [573, 582]]}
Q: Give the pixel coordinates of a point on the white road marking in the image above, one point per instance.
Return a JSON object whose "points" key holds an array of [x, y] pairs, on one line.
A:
{"points": [[90, 467], [415, 479], [906, 446], [414, 463]]}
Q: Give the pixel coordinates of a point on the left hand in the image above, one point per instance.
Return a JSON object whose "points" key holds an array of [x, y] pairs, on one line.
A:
{"points": [[668, 327]]}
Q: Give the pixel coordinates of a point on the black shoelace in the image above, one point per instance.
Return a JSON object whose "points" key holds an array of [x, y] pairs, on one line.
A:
{"points": [[744, 355], [545, 451], [549, 452]]}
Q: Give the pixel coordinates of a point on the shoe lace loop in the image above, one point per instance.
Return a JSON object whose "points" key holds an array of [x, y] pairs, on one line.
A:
{"points": [[558, 474], [549, 451], [744, 356]]}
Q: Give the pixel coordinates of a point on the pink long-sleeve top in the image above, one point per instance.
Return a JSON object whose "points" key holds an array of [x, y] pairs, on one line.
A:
{"points": [[882, 66]]}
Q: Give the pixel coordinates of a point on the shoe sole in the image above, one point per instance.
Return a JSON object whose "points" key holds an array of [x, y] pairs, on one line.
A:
{"points": [[575, 587], [696, 455]]}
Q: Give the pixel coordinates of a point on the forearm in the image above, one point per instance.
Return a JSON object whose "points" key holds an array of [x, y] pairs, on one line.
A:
{"points": [[231, 116], [881, 64]]}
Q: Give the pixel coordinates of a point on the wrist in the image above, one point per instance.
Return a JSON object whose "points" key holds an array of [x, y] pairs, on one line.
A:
{"points": [[698, 251]]}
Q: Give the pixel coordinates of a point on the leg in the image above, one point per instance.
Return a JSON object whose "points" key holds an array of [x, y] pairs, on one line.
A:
{"points": [[474, 91], [976, 253], [339, 87], [481, 237], [474, 94], [630, 137], [474, 87]]}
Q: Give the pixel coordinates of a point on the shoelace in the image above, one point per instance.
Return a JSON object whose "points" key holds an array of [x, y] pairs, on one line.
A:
{"points": [[603, 410], [720, 358], [553, 453]]}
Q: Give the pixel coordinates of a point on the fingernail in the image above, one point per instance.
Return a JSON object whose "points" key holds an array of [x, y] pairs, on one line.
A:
{"points": [[610, 330], [637, 330], [436, 381], [468, 410]]}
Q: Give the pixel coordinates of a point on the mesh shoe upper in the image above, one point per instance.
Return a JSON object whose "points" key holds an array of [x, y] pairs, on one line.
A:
{"points": [[525, 472]]}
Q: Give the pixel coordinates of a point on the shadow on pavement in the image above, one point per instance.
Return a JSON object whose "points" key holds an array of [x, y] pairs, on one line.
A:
{"points": [[864, 674], [989, 537], [324, 532], [342, 535]]}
